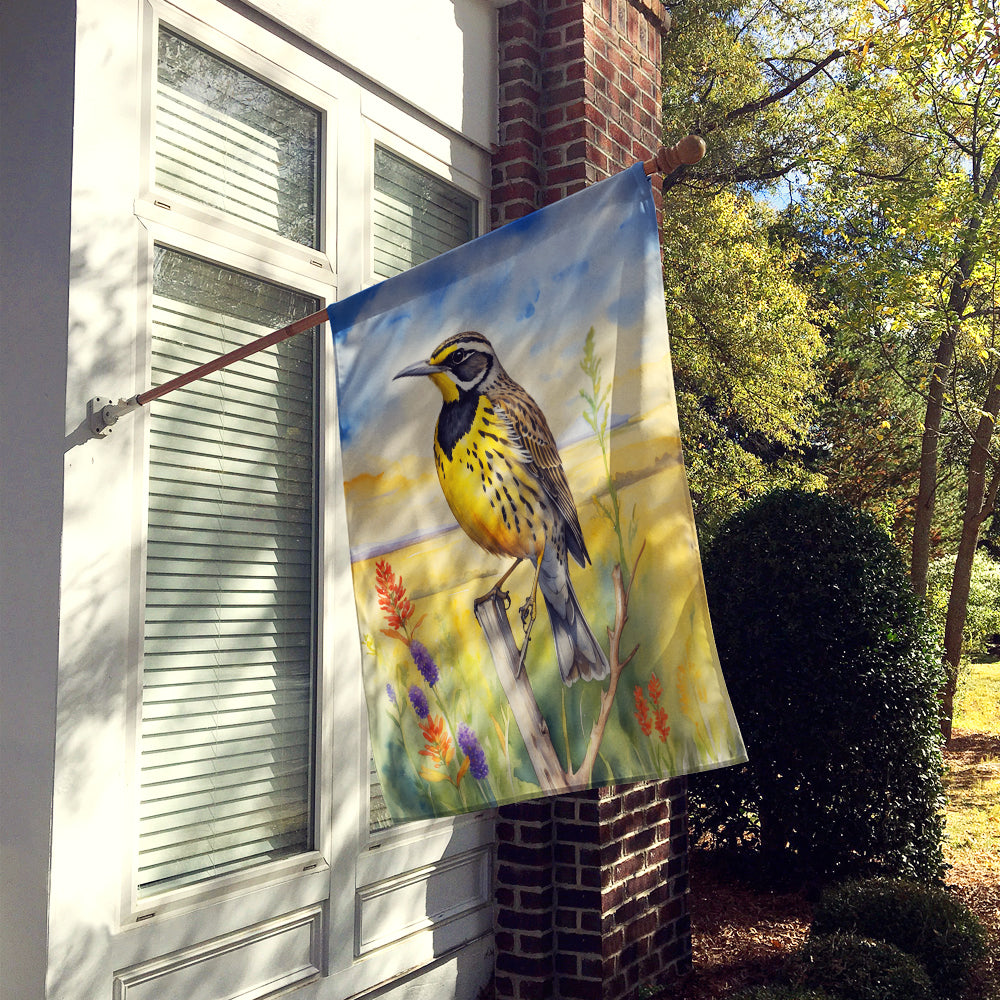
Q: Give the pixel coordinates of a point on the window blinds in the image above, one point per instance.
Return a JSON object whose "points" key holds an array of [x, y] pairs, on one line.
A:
{"points": [[227, 680], [415, 217], [225, 139]]}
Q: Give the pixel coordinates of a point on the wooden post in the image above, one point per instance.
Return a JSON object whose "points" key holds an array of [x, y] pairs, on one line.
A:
{"points": [[491, 613]]}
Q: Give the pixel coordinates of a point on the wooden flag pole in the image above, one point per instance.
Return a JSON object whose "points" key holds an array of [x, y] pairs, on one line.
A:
{"points": [[103, 413]]}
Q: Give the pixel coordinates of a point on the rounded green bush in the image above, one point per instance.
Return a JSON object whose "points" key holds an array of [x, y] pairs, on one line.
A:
{"points": [[857, 968], [783, 993], [833, 674], [925, 922]]}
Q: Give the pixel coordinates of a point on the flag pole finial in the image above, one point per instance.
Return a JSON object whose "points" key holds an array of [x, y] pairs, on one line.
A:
{"points": [[688, 151]]}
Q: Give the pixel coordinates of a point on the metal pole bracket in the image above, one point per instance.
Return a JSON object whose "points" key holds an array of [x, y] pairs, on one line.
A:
{"points": [[103, 413]]}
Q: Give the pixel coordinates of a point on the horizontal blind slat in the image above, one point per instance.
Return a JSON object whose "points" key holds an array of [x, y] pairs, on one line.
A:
{"points": [[227, 678]]}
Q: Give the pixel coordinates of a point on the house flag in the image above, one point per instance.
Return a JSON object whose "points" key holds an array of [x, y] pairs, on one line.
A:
{"points": [[529, 594]]}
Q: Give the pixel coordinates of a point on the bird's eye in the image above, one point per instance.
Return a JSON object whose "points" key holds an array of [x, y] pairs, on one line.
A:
{"points": [[458, 357]]}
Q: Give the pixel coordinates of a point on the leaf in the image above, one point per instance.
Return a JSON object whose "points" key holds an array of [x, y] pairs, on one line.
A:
{"points": [[500, 733], [428, 775]]}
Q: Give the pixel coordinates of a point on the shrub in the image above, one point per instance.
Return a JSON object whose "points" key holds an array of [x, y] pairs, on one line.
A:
{"points": [[782, 993], [927, 923], [833, 675], [856, 968], [982, 619]]}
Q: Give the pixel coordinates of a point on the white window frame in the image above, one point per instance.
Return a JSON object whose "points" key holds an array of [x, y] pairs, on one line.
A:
{"points": [[180, 224], [350, 872]]}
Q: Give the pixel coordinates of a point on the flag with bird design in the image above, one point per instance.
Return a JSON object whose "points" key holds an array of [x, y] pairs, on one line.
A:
{"points": [[523, 554]]}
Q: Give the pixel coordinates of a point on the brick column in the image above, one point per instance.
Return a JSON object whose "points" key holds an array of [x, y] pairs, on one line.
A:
{"points": [[591, 889], [579, 96]]}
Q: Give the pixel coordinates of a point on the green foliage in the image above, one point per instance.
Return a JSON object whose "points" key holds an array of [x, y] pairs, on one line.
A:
{"points": [[737, 72], [833, 675], [926, 922], [780, 992], [747, 356], [857, 968], [983, 617]]}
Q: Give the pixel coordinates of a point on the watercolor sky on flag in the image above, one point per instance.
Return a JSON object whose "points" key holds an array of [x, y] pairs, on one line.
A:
{"points": [[520, 303]]}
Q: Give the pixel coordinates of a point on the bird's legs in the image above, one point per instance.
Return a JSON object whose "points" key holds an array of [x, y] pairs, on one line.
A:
{"points": [[528, 611], [498, 587]]}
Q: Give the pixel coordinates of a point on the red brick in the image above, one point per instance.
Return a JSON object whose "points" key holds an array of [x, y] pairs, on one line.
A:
{"points": [[553, 117], [521, 90], [522, 130], [551, 39], [518, 48], [569, 52], [581, 989], [567, 133], [518, 111], [568, 174], [510, 152], [571, 14], [532, 899], [554, 77]]}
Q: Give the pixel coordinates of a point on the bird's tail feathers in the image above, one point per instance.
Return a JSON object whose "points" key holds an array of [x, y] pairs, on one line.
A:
{"points": [[578, 652]]}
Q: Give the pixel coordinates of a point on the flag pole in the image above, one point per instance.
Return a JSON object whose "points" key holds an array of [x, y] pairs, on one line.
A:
{"points": [[103, 413]]}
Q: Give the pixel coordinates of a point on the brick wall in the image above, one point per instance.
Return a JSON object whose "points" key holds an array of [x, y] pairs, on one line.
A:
{"points": [[579, 96], [591, 889]]}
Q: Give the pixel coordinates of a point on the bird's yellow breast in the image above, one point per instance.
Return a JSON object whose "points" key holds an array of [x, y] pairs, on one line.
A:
{"points": [[490, 489]]}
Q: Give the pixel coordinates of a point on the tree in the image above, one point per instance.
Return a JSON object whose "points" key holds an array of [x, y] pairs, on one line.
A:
{"points": [[747, 357], [880, 121], [913, 183], [746, 76], [747, 352]]}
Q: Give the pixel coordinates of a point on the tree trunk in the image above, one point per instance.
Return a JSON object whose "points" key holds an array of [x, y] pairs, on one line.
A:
{"points": [[979, 503], [958, 300], [920, 554]]}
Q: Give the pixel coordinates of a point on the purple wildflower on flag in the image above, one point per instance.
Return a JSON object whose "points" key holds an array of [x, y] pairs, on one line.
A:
{"points": [[469, 743], [424, 661], [419, 702], [391, 692]]}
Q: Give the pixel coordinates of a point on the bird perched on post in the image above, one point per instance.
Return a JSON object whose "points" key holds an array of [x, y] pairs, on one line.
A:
{"points": [[501, 474]]}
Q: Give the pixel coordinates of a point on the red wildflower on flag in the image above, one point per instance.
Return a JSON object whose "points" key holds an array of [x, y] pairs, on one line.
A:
{"points": [[392, 597], [642, 711]]}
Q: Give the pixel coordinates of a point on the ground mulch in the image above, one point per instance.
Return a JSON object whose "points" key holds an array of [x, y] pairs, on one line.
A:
{"points": [[742, 934]]}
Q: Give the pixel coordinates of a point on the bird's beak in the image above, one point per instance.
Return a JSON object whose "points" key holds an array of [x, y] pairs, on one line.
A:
{"points": [[420, 368]]}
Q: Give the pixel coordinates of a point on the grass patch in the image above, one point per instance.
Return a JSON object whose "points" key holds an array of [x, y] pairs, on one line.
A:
{"points": [[973, 782], [973, 812], [978, 699]]}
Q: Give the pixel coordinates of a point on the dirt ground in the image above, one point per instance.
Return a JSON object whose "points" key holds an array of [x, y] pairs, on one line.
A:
{"points": [[741, 935]]}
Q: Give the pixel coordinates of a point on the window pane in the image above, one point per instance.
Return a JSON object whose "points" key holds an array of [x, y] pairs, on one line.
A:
{"points": [[226, 139], [228, 655], [417, 215]]}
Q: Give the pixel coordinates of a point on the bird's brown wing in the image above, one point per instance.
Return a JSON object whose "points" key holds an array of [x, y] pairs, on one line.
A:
{"points": [[530, 430]]}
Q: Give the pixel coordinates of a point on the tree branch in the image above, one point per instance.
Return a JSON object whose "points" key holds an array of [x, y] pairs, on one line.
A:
{"points": [[753, 107]]}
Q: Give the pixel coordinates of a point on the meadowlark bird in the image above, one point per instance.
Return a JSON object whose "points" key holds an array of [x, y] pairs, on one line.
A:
{"points": [[500, 472]]}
